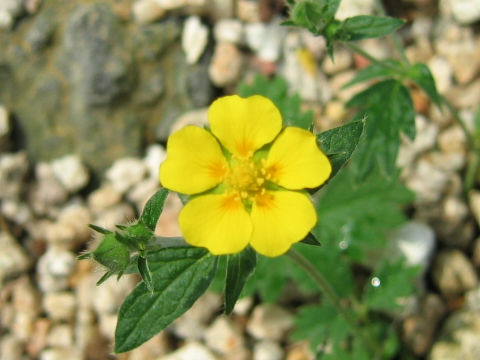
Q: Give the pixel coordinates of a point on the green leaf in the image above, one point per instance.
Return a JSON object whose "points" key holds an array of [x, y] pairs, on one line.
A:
{"points": [[99, 229], [387, 68], [388, 109], [366, 26], [272, 274], [421, 75], [138, 235], [308, 14], [311, 240], [153, 208], [112, 254], [145, 273], [396, 282], [339, 143], [277, 91], [180, 276], [320, 324], [239, 268], [353, 217]]}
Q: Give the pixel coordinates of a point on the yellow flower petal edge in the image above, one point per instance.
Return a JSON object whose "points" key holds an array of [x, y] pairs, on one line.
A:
{"points": [[296, 162], [219, 223], [243, 125], [280, 219], [194, 163]]}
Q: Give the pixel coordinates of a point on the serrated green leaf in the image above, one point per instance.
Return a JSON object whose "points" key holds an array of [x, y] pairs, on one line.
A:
{"points": [[308, 14], [421, 75], [112, 254], [145, 273], [366, 26], [276, 90], [239, 268], [354, 216], [99, 229], [153, 208], [180, 276], [387, 68], [272, 274], [388, 109], [320, 325], [339, 143], [396, 282]]}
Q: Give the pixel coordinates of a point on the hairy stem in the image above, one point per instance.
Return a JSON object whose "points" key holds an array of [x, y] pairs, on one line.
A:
{"points": [[332, 296]]}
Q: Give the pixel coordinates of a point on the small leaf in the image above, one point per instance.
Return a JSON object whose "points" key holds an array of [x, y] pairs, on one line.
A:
{"points": [[99, 229], [112, 254], [311, 240], [153, 208], [85, 256], [420, 73], [339, 143], [239, 268], [308, 14], [477, 127], [145, 272], [366, 26], [180, 276], [104, 278], [139, 235]]}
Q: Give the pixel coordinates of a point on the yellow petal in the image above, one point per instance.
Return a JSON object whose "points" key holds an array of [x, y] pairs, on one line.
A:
{"points": [[194, 163], [218, 222], [295, 161], [280, 219], [244, 125]]}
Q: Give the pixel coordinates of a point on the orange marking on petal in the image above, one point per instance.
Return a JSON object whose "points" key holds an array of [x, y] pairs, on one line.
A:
{"points": [[230, 203], [265, 200], [217, 170]]}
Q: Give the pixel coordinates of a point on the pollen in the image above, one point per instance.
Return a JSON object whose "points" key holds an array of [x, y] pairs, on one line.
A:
{"points": [[246, 178]]}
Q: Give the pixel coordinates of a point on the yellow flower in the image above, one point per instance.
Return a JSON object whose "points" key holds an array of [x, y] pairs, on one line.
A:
{"points": [[247, 178]]}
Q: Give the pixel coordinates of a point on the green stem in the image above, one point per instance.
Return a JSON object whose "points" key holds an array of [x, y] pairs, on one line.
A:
{"points": [[332, 296], [397, 43], [473, 169], [460, 122]]}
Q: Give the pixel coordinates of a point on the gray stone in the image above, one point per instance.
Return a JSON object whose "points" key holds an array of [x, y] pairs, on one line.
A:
{"points": [[458, 337], [269, 322], [13, 168], [42, 30], [60, 306], [152, 88], [97, 68], [13, 259], [147, 11], [267, 350], [453, 273], [61, 353], [54, 268], [11, 348], [192, 350], [152, 41], [474, 198], [224, 336]]}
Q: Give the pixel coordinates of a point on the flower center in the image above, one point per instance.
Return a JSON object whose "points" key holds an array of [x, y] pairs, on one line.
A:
{"points": [[246, 178]]}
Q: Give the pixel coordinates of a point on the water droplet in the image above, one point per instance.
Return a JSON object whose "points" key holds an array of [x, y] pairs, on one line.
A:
{"points": [[376, 282]]}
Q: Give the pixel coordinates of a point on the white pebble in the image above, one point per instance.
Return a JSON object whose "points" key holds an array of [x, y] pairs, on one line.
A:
{"points": [[194, 39], [269, 322], [125, 173], [60, 306], [4, 122], [156, 154], [192, 350], [54, 267], [147, 11], [13, 259], [228, 30], [71, 173], [267, 350]]}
